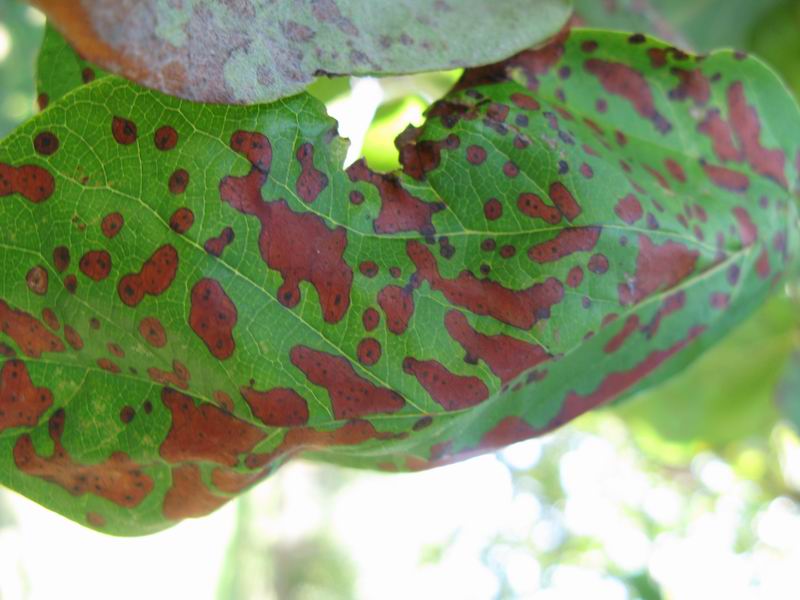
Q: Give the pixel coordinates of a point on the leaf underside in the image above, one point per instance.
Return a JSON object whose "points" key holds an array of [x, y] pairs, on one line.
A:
{"points": [[191, 294], [261, 50]]}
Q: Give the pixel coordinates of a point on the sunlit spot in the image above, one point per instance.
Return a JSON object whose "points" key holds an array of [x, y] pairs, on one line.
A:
{"points": [[5, 42]]}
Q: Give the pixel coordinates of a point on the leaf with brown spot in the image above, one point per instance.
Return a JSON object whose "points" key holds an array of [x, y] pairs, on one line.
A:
{"points": [[451, 308], [261, 50]]}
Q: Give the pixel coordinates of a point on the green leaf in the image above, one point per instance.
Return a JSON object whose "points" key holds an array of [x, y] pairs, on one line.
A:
{"points": [[628, 15], [261, 50], [194, 293], [60, 69]]}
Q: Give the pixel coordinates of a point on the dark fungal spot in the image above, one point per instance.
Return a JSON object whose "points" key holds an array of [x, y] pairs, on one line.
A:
{"points": [[112, 224], [493, 210], [61, 258], [147, 407], [216, 245], [598, 264], [37, 279], [165, 138], [73, 338], [42, 100], [369, 351], [96, 264], [368, 268], [45, 143], [71, 283], [153, 332], [123, 130], [508, 251], [356, 197], [50, 319], [178, 181], [637, 38], [181, 220], [476, 155], [127, 414], [87, 75], [370, 319]]}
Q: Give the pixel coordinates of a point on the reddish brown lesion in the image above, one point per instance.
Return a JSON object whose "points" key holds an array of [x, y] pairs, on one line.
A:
{"points": [[450, 391], [622, 80], [566, 242], [216, 245], [420, 157], [298, 245], [179, 376], [520, 309], [189, 497], [28, 333], [311, 180], [658, 268], [204, 432], [351, 396], [35, 184], [96, 265], [22, 404], [746, 124], [397, 304], [117, 479], [506, 356], [277, 407], [213, 316], [155, 277], [400, 210]]}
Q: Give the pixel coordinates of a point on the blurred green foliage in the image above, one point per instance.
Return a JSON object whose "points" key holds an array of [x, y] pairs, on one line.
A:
{"points": [[21, 30]]}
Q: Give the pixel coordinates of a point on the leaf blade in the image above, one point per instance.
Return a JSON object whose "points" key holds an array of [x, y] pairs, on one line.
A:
{"points": [[256, 301]]}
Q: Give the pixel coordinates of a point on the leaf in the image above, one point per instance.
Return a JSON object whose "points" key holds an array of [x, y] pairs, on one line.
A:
{"points": [[710, 24], [699, 409], [628, 15], [698, 24], [261, 50], [60, 69], [194, 293]]}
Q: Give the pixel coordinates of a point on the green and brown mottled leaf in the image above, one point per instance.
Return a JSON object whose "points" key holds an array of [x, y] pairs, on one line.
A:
{"points": [[261, 50], [192, 293]]}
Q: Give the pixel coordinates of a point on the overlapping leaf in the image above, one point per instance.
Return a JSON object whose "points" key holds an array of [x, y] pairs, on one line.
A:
{"points": [[194, 293], [260, 50]]}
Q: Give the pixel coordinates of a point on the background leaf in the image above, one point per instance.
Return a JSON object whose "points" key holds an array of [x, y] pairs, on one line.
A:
{"points": [[194, 293], [261, 50]]}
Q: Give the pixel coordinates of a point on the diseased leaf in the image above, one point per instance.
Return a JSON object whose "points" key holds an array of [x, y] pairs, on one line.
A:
{"points": [[60, 69], [699, 409], [194, 293], [261, 50], [628, 15]]}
